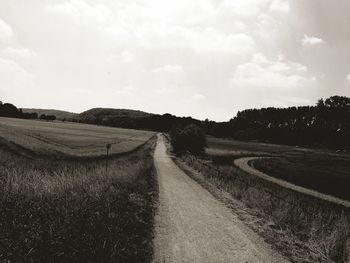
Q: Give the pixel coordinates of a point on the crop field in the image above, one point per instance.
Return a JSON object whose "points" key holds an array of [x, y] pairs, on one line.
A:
{"points": [[75, 209], [64, 138], [324, 171], [228, 146], [327, 175]]}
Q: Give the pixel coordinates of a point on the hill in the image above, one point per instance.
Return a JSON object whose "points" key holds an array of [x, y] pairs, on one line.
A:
{"points": [[113, 117], [112, 113], [60, 115]]}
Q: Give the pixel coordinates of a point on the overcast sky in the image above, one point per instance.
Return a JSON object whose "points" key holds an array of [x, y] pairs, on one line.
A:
{"points": [[203, 58]]}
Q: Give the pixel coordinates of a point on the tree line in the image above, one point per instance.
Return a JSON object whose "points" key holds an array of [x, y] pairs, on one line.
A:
{"points": [[11, 111], [326, 124]]}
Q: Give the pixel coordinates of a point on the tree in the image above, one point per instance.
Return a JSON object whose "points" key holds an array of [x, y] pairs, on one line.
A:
{"points": [[47, 117], [9, 110], [191, 139], [337, 102]]}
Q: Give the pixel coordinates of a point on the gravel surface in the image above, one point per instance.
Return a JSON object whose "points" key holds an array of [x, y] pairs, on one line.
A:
{"points": [[193, 226]]}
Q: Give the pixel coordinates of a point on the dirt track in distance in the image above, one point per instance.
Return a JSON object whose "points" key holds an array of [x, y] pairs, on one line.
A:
{"points": [[192, 226]]}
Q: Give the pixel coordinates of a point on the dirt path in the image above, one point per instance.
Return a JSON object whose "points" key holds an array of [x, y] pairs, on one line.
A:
{"points": [[192, 226]]}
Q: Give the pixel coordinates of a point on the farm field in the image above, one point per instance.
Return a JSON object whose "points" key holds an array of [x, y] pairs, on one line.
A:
{"points": [[76, 209], [65, 138], [325, 175], [324, 171], [228, 146]]}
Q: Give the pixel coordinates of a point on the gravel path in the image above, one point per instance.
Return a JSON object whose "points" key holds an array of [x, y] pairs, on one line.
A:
{"points": [[192, 226]]}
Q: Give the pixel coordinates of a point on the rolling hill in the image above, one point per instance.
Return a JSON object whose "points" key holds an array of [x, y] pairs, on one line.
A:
{"points": [[60, 115], [112, 113]]}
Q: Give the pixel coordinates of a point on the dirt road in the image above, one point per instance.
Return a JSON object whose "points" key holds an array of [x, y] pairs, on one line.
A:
{"points": [[192, 226]]}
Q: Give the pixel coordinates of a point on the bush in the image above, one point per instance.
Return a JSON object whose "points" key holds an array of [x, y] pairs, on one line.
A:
{"points": [[191, 139], [47, 117]]}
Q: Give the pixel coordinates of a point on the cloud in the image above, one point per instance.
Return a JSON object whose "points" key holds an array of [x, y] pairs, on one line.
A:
{"points": [[19, 52], [280, 6], [348, 78], [14, 79], [212, 40], [198, 40], [271, 82], [168, 69], [11, 67], [127, 56], [311, 40], [269, 74], [246, 8], [5, 30], [81, 12], [130, 53], [198, 97]]}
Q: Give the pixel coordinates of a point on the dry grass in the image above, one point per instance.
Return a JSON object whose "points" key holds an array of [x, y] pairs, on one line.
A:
{"points": [[303, 228], [64, 138], [71, 211]]}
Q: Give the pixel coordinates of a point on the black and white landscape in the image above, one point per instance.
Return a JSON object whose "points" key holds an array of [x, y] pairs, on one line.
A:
{"points": [[174, 131]]}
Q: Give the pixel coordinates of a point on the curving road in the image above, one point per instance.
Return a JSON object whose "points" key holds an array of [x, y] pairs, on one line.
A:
{"points": [[192, 226]]}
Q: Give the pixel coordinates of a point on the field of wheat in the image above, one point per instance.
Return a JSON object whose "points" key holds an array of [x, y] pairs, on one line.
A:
{"points": [[73, 139], [75, 210]]}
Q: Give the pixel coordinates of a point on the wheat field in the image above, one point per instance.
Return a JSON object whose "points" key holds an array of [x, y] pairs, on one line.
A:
{"points": [[65, 138]]}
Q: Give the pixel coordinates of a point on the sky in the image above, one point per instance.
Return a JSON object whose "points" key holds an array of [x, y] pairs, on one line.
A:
{"points": [[200, 58]]}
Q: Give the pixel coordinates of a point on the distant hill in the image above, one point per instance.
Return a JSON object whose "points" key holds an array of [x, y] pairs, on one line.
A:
{"points": [[114, 117], [112, 113], [60, 115]]}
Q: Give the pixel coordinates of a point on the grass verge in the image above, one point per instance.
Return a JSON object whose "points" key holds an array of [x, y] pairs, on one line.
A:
{"points": [[71, 211], [302, 228]]}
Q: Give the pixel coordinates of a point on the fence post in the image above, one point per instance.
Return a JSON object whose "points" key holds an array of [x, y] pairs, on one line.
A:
{"points": [[108, 146]]}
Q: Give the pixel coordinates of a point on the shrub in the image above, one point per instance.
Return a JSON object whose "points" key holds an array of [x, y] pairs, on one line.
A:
{"points": [[47, 117], [191, 139]]}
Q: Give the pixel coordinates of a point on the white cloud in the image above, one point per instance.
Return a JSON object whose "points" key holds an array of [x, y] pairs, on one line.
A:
{"points": [[270, 75], [348, 78], [14, 79], [168, 69], [127, 56], [19, 52], [132, 52], [5, 30], [246, 8], [311, 40], [280, 6], [81, 12], [198, 97], [267, 26], [198, 40], [9, 66], [211, 40], [259, 58]]}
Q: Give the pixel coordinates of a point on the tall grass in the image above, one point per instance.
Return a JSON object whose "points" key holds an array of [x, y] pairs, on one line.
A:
{"points": [[60, 211], [322, 228]]}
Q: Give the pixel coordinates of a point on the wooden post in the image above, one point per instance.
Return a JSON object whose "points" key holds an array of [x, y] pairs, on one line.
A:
{"points": [[108, 146]]}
